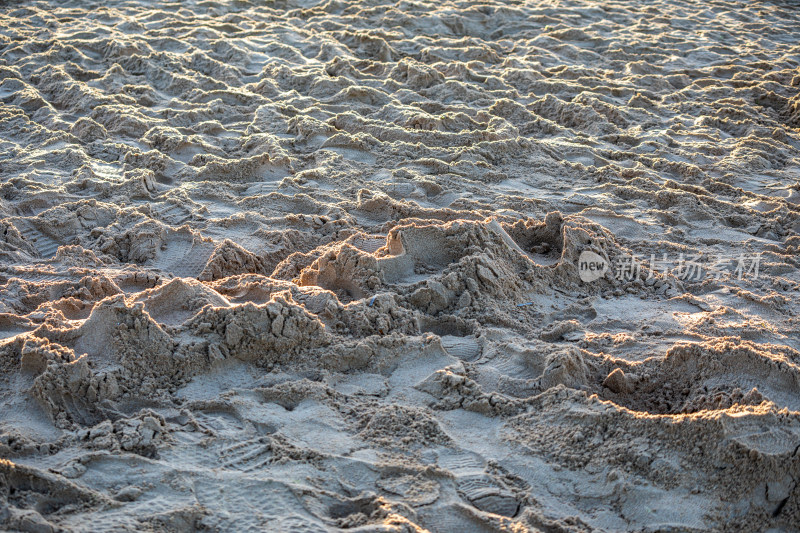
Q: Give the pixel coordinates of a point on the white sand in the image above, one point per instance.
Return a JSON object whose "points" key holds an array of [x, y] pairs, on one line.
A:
{"points": [[315, 266]]}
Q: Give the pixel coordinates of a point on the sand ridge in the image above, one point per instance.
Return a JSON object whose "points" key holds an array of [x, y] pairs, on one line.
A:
{"points": [[314, 266]]}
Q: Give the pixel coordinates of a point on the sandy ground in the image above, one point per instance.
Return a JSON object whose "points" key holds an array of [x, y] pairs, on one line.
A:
{"points": [[446, 266]]}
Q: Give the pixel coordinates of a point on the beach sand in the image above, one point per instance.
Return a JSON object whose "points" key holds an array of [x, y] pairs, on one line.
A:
{"points": [[419, 266]]}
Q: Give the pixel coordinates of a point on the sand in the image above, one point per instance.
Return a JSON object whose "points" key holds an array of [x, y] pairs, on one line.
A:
{"points": [[420, 266]]}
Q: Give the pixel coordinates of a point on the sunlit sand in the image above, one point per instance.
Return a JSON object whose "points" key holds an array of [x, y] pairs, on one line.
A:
{"points": [[399, 266]]}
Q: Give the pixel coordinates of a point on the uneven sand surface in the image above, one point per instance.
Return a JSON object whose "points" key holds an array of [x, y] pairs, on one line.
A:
{"points": [[309, 266]]}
